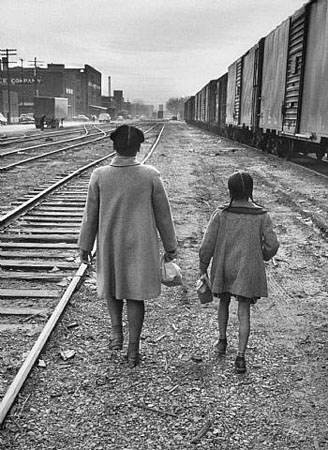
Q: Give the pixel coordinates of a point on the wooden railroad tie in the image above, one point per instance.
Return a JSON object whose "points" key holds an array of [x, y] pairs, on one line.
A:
{"points": [[30, 293], [35, 264]]}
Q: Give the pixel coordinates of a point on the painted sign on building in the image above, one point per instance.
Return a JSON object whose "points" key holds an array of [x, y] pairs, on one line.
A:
{"points": [[13, 81]]}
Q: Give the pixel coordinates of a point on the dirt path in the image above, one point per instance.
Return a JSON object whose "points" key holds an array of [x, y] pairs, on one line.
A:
{"points": [[95, 402]]}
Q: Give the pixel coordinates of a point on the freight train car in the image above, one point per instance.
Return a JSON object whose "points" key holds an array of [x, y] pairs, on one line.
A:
{"points": [[244, 95], [276, 95], [189, 109]]}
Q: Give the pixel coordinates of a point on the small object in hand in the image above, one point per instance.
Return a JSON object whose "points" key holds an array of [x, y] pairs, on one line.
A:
{"points": [[170, 256], [203, 288], [85, 256], [170, 273]]}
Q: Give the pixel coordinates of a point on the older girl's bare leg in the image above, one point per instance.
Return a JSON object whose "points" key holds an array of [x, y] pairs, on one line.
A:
{"points": [[115, 309], [223, 315]]}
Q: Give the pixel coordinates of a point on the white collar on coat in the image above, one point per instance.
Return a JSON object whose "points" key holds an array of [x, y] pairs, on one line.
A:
{"points": [[123, 161]]}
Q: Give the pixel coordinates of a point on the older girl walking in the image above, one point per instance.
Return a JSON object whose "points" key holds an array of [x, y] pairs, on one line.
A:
{"points": [[127, 207], [237, 240]]}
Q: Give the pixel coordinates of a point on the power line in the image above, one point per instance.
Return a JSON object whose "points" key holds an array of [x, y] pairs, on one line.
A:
{"points": [[35, 63]]}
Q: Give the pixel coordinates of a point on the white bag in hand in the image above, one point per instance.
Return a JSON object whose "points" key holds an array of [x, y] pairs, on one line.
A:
{"points": [[170, 273]]}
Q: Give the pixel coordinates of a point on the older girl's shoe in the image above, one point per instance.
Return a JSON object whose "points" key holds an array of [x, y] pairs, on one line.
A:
{"points": [[116, 342], [133, 355]]}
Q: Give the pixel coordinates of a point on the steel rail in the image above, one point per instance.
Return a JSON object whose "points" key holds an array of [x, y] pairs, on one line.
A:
{"points": [[30, 137], [47, 144], [20, 378], [44, 155], [32, 202]]}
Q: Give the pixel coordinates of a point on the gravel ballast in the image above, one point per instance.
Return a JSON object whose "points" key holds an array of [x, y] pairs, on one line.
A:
{"points": [[183, 395]]}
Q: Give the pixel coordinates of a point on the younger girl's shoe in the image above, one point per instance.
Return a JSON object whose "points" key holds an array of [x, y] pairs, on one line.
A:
{"points": [[221, 346], [133, 360], [240, 364], [116, 346], [116, 342]]}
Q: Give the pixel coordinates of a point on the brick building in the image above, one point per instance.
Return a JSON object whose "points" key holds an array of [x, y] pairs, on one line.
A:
{"points": [[81, 86]]}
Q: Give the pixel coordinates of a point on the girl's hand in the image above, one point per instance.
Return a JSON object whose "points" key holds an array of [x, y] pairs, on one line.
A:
{"points": [[85, 256], [170, 256]]}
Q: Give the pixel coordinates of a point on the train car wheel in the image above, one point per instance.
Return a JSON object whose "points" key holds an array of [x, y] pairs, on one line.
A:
{"points": [[320, 153], [277, 147], [288, 149], [274, 146]]}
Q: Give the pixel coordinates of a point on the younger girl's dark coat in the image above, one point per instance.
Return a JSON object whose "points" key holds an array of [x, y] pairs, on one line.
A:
{"points": [[238, 244]]}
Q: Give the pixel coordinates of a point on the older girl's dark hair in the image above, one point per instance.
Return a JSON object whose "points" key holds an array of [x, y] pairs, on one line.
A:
{"points": [[127, 140], [240, 185]]}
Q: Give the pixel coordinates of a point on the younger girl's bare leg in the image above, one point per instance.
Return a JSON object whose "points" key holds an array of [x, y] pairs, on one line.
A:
{"points": [[223, 318], [115, 309], [244, 324]]}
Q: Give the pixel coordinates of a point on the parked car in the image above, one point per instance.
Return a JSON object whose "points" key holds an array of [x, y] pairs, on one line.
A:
{"points": [[81, 118], [26, 118], [104, 118], [3, 120]]}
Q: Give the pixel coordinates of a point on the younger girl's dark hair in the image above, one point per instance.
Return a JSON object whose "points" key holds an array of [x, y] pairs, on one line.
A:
{"points": [[240, 186]]}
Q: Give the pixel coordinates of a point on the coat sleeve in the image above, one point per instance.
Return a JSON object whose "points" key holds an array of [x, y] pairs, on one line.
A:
{"points": [[208, 243], [163, 215], [89, 227], [270, 242]]}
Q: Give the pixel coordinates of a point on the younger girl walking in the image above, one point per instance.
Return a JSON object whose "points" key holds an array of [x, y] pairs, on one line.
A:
{"points": [[238, 238]]}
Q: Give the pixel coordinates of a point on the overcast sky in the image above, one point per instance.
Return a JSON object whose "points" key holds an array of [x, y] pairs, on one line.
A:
{"points": [[152, 49]]}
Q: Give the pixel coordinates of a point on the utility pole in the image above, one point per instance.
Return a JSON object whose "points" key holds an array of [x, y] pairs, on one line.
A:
{"points": [[6, 53], [22, 84], [35, 64]]}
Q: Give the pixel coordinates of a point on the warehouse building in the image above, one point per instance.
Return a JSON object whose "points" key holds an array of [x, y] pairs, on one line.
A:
{"points": [[81, 86]]}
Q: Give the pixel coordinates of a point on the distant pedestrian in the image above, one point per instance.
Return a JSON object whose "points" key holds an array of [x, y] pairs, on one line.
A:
{"points": [[237, 240], [42, 122], [126, 208]]}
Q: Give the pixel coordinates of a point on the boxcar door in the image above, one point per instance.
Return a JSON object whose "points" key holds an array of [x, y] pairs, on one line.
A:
{"points": [[236, 111], [295, 70], [257, 84]]}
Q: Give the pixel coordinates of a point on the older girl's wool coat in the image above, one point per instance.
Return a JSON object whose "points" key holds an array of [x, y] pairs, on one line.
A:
{"points": [[126, 208], [238, 241]]}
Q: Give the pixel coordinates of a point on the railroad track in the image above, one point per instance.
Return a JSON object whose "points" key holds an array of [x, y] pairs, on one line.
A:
{"points": [[17, 181], [316, 208], [312, 163], [13, 158], [39, 270], [23, 137]]}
